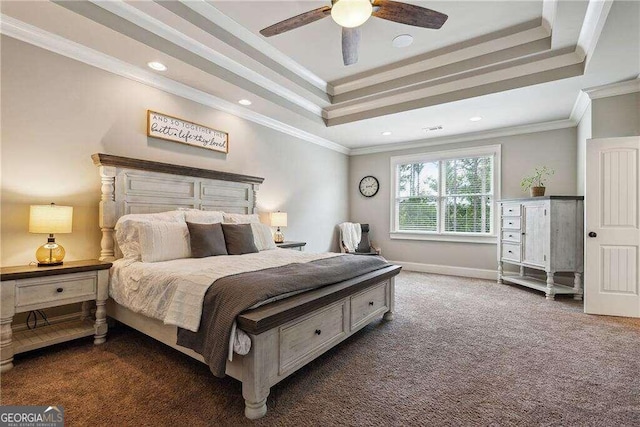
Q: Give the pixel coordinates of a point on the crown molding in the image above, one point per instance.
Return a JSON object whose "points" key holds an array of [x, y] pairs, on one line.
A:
{"points": [[475, 136], [33, 35], [579, 107], [614, 89], [218, 18], [159, 28]]}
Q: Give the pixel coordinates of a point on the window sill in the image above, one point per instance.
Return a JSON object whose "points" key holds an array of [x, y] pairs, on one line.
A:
{"points": [[456, 238]]}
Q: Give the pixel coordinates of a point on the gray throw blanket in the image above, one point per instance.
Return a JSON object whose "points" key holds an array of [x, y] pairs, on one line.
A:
{"points": [[229, 296]]}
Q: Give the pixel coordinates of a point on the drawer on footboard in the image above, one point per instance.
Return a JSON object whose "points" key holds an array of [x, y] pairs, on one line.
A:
{"points": [[368, 304], [302, 340]]}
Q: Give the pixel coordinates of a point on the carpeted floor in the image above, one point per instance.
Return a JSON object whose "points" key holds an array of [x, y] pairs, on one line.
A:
{"points": [[459, 352]]}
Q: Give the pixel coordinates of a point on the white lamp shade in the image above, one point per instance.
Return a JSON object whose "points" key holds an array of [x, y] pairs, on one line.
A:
{"points": [[351, 13], [50, 219], [278, 219]]}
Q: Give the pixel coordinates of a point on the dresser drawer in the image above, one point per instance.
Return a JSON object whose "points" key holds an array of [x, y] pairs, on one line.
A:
{"points": [[511, 236], [510, 209], [511, 252], [55, 290], [368, 304], [302, 340], [511, 223]]}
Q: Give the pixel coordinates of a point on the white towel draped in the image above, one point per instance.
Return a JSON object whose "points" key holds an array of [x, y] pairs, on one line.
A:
{"points": [[350, 234]]}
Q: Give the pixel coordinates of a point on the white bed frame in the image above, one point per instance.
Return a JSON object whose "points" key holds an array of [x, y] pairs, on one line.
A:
{"points": [[285, 335]]}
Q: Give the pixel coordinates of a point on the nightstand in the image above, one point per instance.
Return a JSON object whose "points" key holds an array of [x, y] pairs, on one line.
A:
{"points": [[27, 288], [292, 245]]}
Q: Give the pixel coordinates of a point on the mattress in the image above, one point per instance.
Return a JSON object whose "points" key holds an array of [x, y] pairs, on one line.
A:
{"points": [[173, 291]]}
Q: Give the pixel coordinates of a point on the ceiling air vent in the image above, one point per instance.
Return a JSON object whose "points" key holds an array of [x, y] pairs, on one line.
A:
{"points": [[433, 129]]}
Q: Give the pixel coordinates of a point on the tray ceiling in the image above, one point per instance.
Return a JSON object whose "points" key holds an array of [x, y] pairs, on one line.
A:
{"points": [[513, 63]]}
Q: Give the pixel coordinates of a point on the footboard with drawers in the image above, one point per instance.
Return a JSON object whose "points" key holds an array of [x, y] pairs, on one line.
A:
{"points": [[290, 333]]}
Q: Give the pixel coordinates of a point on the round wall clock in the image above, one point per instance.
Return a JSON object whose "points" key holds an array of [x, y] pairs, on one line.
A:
{"points": [[369, 186]]}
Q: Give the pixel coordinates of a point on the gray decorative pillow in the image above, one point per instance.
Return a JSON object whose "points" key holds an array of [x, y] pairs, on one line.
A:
{"points": [[239, 239], [206, 240]]}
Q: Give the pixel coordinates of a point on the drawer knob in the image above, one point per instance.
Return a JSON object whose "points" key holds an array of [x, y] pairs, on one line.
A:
{"points": [[318, 331], [510, 235], [510, 210], [59, 290], [510, 252], [370, 302], [593, 234], [510, 223]]}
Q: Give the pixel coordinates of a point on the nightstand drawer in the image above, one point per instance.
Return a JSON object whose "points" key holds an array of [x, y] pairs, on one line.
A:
{"points": [[55, 290]]}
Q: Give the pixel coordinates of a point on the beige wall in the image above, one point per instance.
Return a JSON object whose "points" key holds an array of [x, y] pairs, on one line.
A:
{"points": [[520, 154], [616, 116], [56, 112]]}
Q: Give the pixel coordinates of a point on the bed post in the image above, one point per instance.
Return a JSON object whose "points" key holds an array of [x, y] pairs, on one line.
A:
{"points": [[256, 371], [107, 220]]}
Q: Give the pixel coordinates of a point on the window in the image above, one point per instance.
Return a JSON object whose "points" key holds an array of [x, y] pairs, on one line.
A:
{"points": [[447, 195]]}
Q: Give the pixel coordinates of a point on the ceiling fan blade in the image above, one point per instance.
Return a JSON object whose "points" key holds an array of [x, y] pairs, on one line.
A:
{"points": [[350, 43], [408, 14], [296, 21]]}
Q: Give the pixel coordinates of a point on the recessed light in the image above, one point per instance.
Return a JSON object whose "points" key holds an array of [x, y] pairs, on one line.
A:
{"points": [[157, 66], [402, 40], [244, 102], [475, 119], [386, 133]]}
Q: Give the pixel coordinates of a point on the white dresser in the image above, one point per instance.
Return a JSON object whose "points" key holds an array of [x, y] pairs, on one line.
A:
{"points": [[544, 234]]}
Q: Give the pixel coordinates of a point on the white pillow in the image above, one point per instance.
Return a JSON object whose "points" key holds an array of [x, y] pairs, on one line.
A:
{"points": [[262, 236], [164, 241], [127, 235], [203, 217], [231, 218]]}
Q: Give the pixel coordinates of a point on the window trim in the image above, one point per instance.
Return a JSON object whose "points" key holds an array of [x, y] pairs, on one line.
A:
{"points": [[494, 150]]}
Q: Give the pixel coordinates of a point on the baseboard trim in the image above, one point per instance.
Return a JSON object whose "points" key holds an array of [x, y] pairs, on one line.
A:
{"points": [[449, 270]]}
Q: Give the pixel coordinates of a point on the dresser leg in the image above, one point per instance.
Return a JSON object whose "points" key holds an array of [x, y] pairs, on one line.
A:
{"points": [[550, 286], [101, 322], [500, 282], [6, 344], [577, 286]]}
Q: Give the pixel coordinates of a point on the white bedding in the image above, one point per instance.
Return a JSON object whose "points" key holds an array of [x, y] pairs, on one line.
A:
{"points": [[173, 291]]}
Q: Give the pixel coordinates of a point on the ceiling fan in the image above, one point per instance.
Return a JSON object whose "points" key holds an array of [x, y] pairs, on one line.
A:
{"points": [[351, 14]]}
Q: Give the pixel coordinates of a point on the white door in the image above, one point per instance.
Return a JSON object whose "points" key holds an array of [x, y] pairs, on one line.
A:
{"points": [[612, 233]]}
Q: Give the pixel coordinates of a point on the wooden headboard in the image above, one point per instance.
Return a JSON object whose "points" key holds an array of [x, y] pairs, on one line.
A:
{"points": [[141, 186]]}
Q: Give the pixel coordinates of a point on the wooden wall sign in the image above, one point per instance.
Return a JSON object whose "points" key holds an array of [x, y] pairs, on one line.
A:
{"points": [[174, 129]]}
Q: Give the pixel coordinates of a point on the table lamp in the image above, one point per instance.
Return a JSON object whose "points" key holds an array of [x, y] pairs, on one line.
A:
{"points": [[278, 219], [50, 219]]}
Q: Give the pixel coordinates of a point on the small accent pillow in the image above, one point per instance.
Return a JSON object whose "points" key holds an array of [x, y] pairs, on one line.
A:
{"points": [[239, 239], [197, 216], [262, 236], [164, 241], [127, 235], [232, 218], [206, 240]]}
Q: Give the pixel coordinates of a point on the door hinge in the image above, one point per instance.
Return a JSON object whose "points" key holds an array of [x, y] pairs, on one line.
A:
{"points": [[545, 212], [545, 257]]}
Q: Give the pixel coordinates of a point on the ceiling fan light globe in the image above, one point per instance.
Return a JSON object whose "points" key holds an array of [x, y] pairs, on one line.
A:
{"points": [[351, 13]]}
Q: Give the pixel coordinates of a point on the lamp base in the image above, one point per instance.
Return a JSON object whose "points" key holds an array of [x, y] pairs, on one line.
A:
{"points": [[50, 253], [278, 237]]}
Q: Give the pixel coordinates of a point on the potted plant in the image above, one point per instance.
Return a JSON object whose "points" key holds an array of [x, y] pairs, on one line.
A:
{"points": [[535, 182]]}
